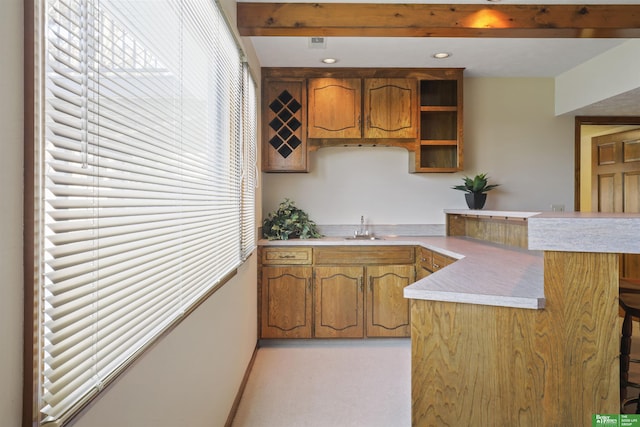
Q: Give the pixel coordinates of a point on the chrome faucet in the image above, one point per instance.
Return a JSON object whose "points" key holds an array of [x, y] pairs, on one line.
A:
{"points": [[363, 229]]}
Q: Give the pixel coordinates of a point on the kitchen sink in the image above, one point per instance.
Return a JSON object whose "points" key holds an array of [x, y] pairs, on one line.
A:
{"points": [[363, 238]]}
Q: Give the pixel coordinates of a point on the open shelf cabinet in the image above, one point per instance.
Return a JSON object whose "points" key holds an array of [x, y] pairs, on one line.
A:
{"points": [[440, 144]]}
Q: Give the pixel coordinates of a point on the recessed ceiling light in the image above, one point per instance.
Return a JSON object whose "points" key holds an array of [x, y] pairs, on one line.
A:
{"points": [[441, 55], [329, 60]]}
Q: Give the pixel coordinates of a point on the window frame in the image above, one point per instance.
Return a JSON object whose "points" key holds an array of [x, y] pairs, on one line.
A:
{"points": [[32, 250]]}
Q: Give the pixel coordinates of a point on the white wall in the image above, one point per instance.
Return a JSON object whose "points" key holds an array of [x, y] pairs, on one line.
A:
{"points": [[11, 295], [604, 76], [510, 131]]}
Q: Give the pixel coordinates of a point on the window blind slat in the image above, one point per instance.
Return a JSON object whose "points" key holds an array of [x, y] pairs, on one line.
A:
{"points": [[84, 378], [66, 352], [153, 282], [144, 250]]}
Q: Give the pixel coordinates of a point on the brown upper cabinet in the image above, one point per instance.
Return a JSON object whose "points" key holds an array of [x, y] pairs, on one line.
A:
{"points": [[440, 148], [336, 107], [390, 108], [284, 114], [416, 109]]}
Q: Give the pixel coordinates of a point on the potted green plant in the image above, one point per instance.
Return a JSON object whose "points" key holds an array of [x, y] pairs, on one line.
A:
{"points": [[289, 221], [476, 189]]}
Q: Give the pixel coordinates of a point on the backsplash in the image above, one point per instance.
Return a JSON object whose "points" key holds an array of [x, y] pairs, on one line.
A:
{"points": [[384, 230]]}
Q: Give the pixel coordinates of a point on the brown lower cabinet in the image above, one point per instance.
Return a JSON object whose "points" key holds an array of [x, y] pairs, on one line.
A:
{"points": [[428, 262], [354, 301], [285, 304], [357, 296], [388, 312], [339, 302]]}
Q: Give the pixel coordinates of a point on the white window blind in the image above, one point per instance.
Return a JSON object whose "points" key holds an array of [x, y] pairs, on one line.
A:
{"points": [[146, 199], [249, 163]]}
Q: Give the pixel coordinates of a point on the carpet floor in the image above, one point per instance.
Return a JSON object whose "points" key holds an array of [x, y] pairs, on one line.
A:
{"points": [[321, 383]]}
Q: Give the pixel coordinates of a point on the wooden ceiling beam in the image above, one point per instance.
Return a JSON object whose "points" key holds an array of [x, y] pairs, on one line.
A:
{"points": [[438, 20]]}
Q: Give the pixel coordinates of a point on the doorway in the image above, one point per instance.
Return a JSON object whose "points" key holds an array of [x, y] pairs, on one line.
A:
{"points": [[615, 172], [590, 173], [587, 127]]}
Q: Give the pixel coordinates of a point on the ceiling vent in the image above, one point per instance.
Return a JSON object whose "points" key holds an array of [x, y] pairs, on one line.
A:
{"points": [[317, 43]]}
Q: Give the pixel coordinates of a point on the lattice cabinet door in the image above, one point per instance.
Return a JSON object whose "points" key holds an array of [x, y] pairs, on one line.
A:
{"points": [[285, 125]]}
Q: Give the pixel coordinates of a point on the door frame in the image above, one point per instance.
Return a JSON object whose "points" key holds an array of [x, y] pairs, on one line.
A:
{"points": [[592, 120]]}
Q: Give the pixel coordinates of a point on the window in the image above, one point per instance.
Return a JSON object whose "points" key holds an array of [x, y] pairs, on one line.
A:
{"points": [[144, 165], [249, 164]]}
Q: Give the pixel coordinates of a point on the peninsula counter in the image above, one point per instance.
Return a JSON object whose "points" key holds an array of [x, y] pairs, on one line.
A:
{"points": [[475, 363]]}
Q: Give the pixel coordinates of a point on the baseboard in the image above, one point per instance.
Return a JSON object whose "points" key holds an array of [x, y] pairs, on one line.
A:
{"points": [[243, 385]]}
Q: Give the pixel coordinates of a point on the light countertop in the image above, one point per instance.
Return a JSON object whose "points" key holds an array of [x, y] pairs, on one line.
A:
{"points": [[485, 273], [585, 232], [492, 274]]}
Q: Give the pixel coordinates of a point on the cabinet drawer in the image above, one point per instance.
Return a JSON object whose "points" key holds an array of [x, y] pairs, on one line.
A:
{"points": [[286, 255], [441, 261], [425, 258], [343, 255]]}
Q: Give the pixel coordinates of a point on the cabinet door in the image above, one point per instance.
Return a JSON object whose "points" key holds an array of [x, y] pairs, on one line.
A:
{"points": [[391, 108], [339, 302], [284, 117], [387, 309], [286, 302], [334, 108]]}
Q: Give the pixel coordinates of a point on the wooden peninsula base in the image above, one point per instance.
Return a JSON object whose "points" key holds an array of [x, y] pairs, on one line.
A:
{"points": [[499, 366], [485, 365]]}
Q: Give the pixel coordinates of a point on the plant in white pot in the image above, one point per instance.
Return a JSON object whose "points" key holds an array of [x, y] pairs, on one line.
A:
{"points": [[475, 189]]}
